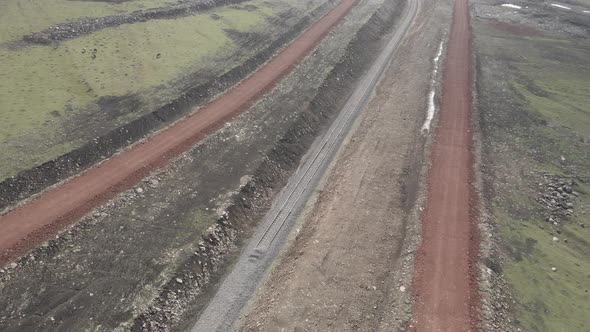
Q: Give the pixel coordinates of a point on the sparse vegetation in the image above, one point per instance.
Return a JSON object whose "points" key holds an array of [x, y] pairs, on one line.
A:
{"points": [[18, 18], [46, 88], [533, 94]]}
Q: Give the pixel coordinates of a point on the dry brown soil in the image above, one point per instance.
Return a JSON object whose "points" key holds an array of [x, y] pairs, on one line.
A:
{"points": [[30, 224], [349, 266], [445, 283]]}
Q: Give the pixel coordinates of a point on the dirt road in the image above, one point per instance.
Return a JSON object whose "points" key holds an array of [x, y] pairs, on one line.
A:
{"points": [[445, 285], [30, 224], [272, 233], [347, 268]]}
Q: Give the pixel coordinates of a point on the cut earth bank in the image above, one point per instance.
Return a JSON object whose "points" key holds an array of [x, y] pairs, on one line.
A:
{"points": [[533, 152], [533, 92], [350, 262], [139, 262]]}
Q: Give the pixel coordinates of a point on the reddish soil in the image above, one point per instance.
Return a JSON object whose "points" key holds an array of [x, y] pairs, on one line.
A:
{"points": [[40, 219], [445, 282]]}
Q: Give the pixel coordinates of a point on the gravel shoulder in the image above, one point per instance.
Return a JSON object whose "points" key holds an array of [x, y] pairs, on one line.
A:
{"points": [[349, 265]]}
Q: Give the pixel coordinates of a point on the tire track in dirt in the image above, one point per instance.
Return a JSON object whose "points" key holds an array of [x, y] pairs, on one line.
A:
{"points": [[38, 220], [445, 281]]}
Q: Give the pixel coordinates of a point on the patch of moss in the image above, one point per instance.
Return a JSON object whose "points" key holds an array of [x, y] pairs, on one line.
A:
{"points": [[552, 74], [563, 101], [43, 80], [547, 300]]}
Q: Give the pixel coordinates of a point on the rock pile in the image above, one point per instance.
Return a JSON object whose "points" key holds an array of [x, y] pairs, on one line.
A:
{"points": [[87, 25], [557, 197]]}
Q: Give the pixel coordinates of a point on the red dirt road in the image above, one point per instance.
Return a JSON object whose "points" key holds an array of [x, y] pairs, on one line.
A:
{"points": [[445, 285], [29, 225]]}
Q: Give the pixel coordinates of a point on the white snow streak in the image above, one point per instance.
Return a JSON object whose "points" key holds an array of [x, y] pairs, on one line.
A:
{"points": [[431, 107], [560, 6], [509, 5]]}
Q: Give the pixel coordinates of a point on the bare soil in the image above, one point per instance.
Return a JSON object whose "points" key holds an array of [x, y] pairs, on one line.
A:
{"points": [[349, 266], [446, 271]]}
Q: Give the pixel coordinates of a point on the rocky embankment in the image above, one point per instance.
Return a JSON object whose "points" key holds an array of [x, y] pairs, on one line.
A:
{"points": [[88, 25], [557, 198]]}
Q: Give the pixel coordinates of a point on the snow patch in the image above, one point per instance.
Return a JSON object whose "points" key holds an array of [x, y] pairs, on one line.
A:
{"points": [[431, 107], [587, 11], [509, 5], [560, 6]]}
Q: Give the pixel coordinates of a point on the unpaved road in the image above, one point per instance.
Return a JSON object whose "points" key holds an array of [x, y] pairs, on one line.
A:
{"points": [[445, 283], [349, 266], [339, 273], [30, 224]]}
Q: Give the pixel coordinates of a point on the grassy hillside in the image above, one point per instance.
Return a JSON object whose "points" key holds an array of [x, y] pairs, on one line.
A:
{"points": [[50, 96], [18, 17], [534, 92]]}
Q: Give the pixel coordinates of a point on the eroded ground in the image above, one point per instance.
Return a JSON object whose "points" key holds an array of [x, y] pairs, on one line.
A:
{"points": [[349, 266], [115, 270], [533, 82]]}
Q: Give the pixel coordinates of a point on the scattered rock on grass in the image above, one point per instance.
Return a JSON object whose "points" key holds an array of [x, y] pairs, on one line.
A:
{"points": [[556, 197]]}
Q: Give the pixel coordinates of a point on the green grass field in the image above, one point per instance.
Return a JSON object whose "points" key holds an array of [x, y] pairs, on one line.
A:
{"points": [[541, 116], [44, 87], [18, 18]]}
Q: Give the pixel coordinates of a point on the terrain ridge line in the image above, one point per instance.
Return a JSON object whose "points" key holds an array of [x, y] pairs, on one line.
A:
{"points": [[272, 233], [38, 220]]}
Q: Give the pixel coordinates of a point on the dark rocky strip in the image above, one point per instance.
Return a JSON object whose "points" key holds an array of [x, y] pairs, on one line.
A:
{"points": [[88, 25]]}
